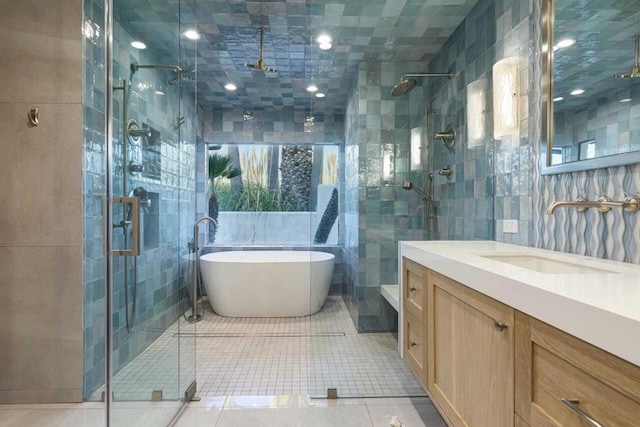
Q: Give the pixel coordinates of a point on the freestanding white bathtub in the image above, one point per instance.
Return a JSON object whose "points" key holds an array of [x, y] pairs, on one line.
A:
{"points": [[267, 283]]}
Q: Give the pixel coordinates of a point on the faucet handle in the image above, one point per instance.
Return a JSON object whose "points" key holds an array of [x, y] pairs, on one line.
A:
{"points": [[581, 208]]}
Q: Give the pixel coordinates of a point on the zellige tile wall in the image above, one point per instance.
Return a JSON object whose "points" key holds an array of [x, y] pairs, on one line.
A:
{"points": [[160, 286]]}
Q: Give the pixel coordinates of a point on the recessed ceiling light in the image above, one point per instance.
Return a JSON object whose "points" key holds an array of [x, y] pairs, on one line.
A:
{"points": [[325, 46], [324, 38], [138, 45], [192, 35], [559, 98], [320, 95], [577, 92], [565, 43], [230, 86], [312, 88], [626, 100]]}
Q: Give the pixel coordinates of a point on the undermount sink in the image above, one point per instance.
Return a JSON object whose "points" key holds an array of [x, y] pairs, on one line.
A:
{"points": [[545, 265]]}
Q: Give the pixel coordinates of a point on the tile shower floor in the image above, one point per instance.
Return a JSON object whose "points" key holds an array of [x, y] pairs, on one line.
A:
{"points": [[273, 356]]}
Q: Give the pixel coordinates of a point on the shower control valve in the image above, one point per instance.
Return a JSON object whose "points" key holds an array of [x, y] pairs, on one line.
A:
{"points": [[135, 167], [448, 137]]}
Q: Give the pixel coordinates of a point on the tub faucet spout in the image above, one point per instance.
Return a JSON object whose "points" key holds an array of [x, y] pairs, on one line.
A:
{"points": [[213, 222]]}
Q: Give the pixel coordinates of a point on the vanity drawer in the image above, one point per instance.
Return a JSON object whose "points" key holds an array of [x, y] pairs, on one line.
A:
{"points": [[556, 379], [415, 289], [559, 366], [415, 347]]}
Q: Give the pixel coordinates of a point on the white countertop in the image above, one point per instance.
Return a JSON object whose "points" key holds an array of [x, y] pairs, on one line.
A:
{"points": [[602, 308]]}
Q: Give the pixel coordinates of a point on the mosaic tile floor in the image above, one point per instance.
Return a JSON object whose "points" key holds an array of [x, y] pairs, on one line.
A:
{"points": [[274, 356], [232, 411]]}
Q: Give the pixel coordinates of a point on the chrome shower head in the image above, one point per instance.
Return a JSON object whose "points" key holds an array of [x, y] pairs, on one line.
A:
{"points": [[407, 185], [635, 71], [405, 86], [260, 64], [182, 80]]}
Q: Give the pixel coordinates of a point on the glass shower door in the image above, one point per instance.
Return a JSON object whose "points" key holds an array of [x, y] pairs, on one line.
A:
{"points": [[152, 347]]}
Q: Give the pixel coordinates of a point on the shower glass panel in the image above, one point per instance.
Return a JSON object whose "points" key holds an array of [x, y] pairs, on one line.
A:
{"points": [[152, 204]]}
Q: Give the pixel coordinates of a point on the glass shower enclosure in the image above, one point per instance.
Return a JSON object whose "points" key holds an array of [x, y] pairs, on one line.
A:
{"points": [[139, 308]]}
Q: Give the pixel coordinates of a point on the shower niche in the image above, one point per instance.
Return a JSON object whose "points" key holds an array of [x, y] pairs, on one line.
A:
{"points": [[150, 223]]}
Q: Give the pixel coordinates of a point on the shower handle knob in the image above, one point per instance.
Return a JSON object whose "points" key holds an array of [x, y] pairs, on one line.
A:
{"points": [[135, 167], [137, 133], [448, 137]]}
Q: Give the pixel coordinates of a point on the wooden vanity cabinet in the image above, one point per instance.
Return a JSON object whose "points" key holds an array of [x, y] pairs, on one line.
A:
{"points": [[470, 355], [486, 364], [415, 302], [552, 365]]}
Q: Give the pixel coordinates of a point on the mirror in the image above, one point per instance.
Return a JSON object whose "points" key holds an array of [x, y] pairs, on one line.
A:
{"points": [[591, 85]]}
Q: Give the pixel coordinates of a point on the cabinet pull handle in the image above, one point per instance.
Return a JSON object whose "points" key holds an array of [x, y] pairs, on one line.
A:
{"points": [[412, 288], [500, 326], [413, 344], [573, 404]]}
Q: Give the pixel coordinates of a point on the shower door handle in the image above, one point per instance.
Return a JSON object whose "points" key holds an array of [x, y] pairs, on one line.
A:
{"points": [[135, 226]]}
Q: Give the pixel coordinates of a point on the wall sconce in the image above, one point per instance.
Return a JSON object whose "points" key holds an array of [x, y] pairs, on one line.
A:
{"points": [[505, 98], [476, 113], [388, 164], [416, 149]]}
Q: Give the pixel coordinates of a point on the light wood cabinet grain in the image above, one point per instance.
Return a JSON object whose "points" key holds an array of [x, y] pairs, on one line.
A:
{"points": [[414, 283], [415, 289], [415, 345], [470, 356], [553, 365]]}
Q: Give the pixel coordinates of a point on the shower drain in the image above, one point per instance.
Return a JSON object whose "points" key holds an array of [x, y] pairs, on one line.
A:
{"points": [[266, 335]]}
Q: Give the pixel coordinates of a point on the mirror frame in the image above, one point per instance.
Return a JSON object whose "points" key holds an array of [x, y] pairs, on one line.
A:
{"points": [[546, 140]]}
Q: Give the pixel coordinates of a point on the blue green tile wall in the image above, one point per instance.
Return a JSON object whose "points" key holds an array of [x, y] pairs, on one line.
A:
{"points": [[160, 288], [378, 213]]}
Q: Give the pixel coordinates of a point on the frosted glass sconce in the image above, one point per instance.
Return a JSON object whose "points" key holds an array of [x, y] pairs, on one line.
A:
{"points": [[505, 98], [388, 164], [476, 113], [416, 147]]}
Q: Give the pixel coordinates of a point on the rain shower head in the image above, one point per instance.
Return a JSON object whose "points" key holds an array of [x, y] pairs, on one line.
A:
{"points": [[635, 71], [260, 64], [182, 80], [407, 85]]}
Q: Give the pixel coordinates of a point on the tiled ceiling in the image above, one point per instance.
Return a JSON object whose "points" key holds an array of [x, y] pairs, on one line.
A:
{"points": [[604, 32], [362, 30]]}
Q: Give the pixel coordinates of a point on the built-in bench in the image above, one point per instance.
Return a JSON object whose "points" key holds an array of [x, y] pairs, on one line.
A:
{"points": [[392, 294]]}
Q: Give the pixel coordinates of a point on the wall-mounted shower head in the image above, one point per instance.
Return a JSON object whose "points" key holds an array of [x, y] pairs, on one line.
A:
{"points": [[635, 71], [182, 80], [407, 185], [407, 85]]}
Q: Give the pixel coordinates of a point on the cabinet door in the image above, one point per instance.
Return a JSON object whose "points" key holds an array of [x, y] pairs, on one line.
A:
{"points": [[415, 289], [415, 345], [470, 355]]}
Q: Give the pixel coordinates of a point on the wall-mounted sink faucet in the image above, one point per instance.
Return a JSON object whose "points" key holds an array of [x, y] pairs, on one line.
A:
{"points": [[603, 204]]}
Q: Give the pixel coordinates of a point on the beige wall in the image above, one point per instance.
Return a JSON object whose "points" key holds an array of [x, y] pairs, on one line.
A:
{"points": [[41, 293]]}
